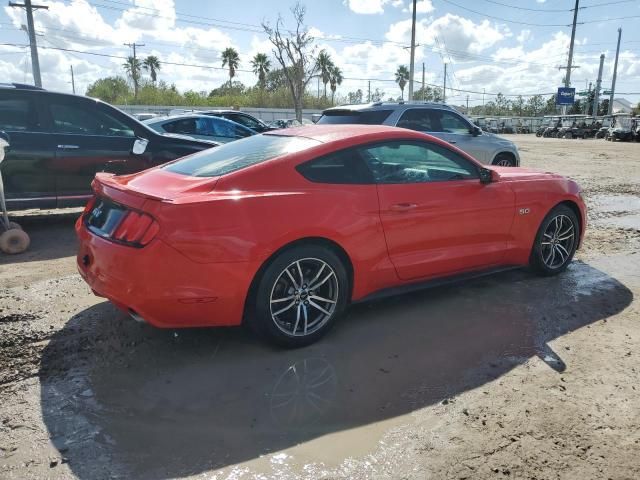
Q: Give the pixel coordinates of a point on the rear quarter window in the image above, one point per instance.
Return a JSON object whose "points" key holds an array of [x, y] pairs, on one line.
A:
{"points": [[239, 154]]}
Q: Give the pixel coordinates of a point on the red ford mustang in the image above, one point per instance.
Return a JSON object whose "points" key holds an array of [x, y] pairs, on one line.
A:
{"points": [[283, 230]]}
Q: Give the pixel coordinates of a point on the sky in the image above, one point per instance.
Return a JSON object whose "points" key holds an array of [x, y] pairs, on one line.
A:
{"points": [[489, 45]]}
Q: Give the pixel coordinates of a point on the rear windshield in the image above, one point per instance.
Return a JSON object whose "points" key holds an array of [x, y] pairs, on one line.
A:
{"points": [[369, 117], [239, 154]]}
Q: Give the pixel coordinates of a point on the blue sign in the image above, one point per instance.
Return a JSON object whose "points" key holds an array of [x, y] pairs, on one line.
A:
{"points": [[565, 96]]}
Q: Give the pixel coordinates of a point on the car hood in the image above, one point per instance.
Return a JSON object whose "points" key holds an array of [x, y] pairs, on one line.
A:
{"points": [[514, 174], [500, 140]]}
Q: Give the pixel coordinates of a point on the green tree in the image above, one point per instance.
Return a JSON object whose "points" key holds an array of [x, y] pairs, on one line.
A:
{"points": [[325, 64], [551, 107], [335, 79], [603, 108], [402, 76], [377, 95], [152, 65], [132, 68], [518, 105], [535, 104], [355, 97], [110, 89], [231, 60], [261, 66], [429, 94]]}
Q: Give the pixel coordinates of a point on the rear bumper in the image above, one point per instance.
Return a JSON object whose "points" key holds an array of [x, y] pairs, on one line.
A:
{"points": [[161, 285]]}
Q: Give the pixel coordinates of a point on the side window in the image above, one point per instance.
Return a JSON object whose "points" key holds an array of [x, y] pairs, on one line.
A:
{"points": [[16, 114], [204, 126], [81, 120], [452, 123], [416, 162], [244, 120], [186, 126], [343, 167], [419, 119]]}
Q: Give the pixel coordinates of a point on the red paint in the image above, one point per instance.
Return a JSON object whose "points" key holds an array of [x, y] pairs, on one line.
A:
{"points": [[211, 235]]}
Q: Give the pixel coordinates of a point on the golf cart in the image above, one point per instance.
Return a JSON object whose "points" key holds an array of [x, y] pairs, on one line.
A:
{"points": [[587, 128], [553, 126], [522, 125], [12, 238], [605, 123], [482, 123], [492, 125], [569, 125], [506, 125], [620, 128]]}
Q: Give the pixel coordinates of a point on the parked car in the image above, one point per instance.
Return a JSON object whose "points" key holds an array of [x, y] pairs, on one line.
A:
{"points": [[283, 230], [58, 142], [141, 117], [242, 118], [436, 119], [289, 123], [204, 127]]}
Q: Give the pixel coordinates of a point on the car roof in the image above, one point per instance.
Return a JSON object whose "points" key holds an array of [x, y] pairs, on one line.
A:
{"points": [[389, 106], [153, 121], [331, 133]]}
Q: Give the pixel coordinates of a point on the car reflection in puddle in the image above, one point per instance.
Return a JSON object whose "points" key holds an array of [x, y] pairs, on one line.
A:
{"points": [[147, 403]]}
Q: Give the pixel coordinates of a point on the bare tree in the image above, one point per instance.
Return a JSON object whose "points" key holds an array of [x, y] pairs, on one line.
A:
{"points": [[294, 51]]}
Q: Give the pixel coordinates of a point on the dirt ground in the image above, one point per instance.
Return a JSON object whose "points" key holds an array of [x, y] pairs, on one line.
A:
{"points": [[510, 376]]}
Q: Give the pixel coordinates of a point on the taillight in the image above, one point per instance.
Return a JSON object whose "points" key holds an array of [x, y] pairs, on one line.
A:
{"points": [[136, 228]]}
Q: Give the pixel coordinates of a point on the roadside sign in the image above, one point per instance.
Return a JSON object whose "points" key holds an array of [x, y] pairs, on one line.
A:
{"points": [[565, 96], [607, 92], [583, 93]]}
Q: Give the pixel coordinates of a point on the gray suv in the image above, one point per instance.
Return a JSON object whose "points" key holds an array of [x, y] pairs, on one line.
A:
{"points": [[436, 119]]}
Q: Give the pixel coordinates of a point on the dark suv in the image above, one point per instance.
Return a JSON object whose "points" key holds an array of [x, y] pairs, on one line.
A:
{"points": [[59, 141]]}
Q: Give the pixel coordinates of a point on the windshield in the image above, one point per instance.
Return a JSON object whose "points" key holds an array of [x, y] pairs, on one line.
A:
{"points": [[623, 122], [567, 122], [369, 117], [239, 154]]}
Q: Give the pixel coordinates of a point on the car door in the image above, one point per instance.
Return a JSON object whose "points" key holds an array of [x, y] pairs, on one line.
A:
{"points": [[448, 126], [27, 172], [88, 140], [437, 217]]}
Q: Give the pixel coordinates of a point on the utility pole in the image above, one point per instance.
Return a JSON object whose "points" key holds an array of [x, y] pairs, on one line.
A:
{"points": [[133, 46], [424, 93], [483, 112], [35, 63], [444, 88], [596, 97], [413, 51], [467, 104], [567, 78], [586, 101], [135, 80], [615, 74], [73, 82], [369, 95]]}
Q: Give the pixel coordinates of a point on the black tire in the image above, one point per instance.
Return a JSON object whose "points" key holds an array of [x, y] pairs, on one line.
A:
{"points": [[547, 242], [568, 135], [276, 284], [504, 160]]}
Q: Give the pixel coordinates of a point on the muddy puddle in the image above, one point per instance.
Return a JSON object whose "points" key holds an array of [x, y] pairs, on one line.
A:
{"points": [[146, 403]]}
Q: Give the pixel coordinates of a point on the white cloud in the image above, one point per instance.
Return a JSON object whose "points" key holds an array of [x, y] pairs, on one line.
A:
{"points": [[366, 7], [422, 6], [525, 36]]}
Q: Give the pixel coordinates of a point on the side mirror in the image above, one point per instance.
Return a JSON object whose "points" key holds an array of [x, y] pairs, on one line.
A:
{"points": [[486, 176], [139, 146], [475, 131]]}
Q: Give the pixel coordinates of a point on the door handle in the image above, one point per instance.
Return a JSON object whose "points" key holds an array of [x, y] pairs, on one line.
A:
{"points": [[68, 147], [403, 207], [453, 141]]}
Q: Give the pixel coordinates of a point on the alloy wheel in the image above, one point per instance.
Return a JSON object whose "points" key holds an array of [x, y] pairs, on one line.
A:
{"points": [[504, 162], [558, 241], [304, 297]]}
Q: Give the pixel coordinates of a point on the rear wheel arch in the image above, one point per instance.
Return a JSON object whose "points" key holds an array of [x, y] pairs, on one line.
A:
{"points": [[316, 241]]}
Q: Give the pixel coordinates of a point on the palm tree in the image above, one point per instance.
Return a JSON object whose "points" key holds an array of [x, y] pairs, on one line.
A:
{"points": [[402, 75], [152, 65], [261, 66], [335, 79], [132, 67], [324, 65], [231, 59]]}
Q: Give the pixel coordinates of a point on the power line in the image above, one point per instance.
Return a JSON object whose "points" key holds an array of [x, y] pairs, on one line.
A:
{"points": [[532, 9], [506, 19]]}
